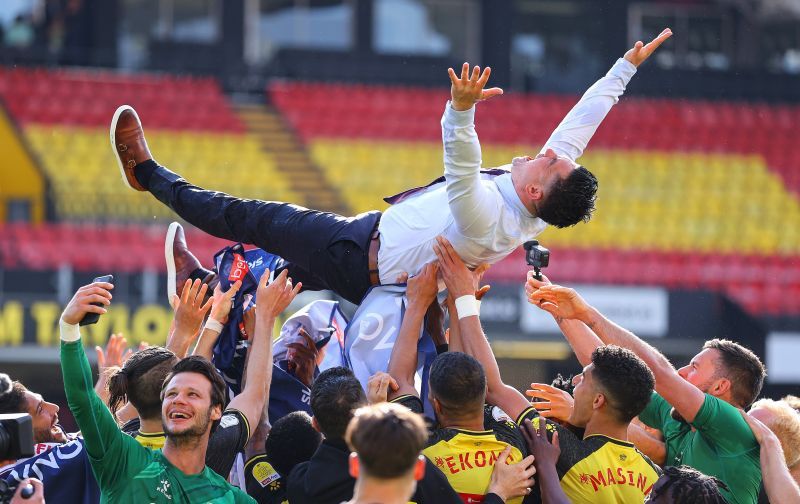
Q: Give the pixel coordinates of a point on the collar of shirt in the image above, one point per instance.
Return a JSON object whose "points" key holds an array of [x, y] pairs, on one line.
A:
{"points": [[506, 187]]}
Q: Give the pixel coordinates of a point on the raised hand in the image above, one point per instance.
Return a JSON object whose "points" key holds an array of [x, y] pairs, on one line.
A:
{"points": [[190, 311], [511, 480], [560, 302], [273, 297], [467, 90], [378, 387], [223, 301], [81, 302], [460, 281], [115, 353], [544, 452], [422, 289], [640, 52], [557, 403]]}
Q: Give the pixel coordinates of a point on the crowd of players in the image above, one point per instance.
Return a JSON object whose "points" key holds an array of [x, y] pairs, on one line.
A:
{"points": [[157, 426]]}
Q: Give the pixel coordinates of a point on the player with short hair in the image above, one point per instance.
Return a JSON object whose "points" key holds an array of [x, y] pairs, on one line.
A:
{"points": [[599, 466], [697, 407], [193, 399], [386, 442]]}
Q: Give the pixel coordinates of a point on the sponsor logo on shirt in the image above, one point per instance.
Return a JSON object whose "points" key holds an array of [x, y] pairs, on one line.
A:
{"points": [[239, 268], [266, 475], [228, 421]]}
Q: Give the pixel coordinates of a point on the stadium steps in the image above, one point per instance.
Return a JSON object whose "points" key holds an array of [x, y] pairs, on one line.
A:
{"points": [[23, 182], [291, 157]]}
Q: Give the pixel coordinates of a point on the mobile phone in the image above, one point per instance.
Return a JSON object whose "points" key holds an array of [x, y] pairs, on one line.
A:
{"points": [[92, 318]]}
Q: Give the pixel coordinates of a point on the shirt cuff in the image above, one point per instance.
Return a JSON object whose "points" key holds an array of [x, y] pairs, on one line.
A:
{"points": [[459, 118], [623, 69], [69, 332]]}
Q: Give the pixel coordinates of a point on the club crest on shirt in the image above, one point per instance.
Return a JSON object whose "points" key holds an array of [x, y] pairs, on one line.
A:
{"points": [[163, 488]]}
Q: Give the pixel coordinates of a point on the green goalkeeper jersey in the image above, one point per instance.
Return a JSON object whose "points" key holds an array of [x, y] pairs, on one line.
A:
{"points": [[125, 470]]}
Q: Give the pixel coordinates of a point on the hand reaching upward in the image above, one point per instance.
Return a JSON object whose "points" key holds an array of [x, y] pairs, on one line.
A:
{"points": [[467, 90], [640, 52]]}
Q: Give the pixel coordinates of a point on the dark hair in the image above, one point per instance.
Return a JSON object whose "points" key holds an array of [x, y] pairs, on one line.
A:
{"points": [[571, 199], [690, 486], [335, 395], [562, 383], [626, 380], [458, 382], [292, 440], [12, 396], [388, 439], [140, 381], [200, 365], [742, 367]]}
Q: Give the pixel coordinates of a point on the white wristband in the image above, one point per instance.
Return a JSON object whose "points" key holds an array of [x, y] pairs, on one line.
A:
{"points": [[467, 306], [213, 325], [69, 332]]}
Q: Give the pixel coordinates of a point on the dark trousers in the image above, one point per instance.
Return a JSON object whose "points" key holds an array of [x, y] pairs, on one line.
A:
{"points": [[323, 250]]}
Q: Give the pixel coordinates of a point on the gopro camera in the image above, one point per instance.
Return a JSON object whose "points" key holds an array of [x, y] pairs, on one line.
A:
{"points": [[536, 256]]}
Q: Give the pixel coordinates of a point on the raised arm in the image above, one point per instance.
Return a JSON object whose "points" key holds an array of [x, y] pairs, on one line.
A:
{"points": [[473, 206], [568, 304], [420, 292], [189, 314], [103, 439], [462, 285], [778, 482], [582, 340], [572, 136], [220, 309], [272, 298]]}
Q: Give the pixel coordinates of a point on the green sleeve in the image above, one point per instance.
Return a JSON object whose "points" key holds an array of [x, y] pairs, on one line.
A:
{"points": [[656, 413], [111, 453], [723, 425]]}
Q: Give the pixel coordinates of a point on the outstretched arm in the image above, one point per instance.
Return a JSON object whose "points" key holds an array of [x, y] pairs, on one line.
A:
{"points": [[462, 285], [568, 304], [778, 482], [472, 205], [273, 298], [572, 136], [421, 291], [110, 450], [582, 340]]}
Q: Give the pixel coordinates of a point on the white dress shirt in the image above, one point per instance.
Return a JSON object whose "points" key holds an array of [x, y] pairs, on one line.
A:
{"points": [[482, 216]]}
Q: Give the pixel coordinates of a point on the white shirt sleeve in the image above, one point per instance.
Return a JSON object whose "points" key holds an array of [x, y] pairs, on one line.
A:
{"points": [[472, 204], [572, 136]]}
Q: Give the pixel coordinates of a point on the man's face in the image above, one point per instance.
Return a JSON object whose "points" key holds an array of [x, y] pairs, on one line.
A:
{"points": [[45, 419], [584, 395], [542, 171], [700, 372], [702, 369], [186, 409]]}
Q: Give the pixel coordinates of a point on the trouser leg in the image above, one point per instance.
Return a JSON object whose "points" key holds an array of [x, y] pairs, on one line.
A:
{"points": [[329, 247]]}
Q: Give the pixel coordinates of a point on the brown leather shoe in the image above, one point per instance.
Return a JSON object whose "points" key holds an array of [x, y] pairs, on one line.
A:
{"points": [[130, 147], [182, 264]]}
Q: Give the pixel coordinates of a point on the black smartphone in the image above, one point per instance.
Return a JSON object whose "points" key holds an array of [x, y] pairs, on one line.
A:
{"points": [[92, 318]]}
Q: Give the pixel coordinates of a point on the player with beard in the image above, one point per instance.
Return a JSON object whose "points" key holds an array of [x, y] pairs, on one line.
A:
{"points": [[697, 407], [16, 398], [193, 398]]}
